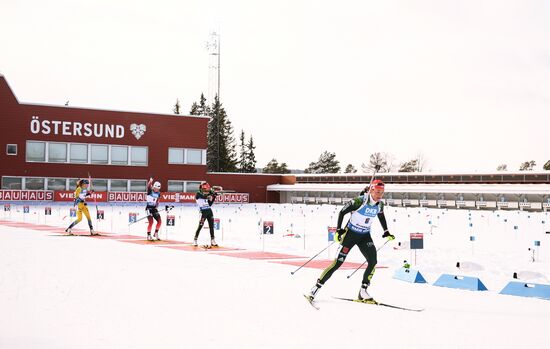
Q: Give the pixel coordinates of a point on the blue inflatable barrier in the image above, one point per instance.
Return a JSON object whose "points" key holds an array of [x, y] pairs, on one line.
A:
{"points": [[525, 289], [461, 282], [409, 275]]}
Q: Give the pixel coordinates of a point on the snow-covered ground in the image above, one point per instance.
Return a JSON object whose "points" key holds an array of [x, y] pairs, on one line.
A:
{"points": [[79, 292]]}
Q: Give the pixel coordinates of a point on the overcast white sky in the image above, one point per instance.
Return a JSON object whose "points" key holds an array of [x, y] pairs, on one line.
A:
{"points": [[467, 83]]}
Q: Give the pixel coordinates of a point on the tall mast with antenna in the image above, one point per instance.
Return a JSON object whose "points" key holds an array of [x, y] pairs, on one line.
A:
{"points": [[213, 46]]}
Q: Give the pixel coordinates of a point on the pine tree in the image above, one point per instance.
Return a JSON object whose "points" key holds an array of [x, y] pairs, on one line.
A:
{"points": [[230, 158], [528, 165], [247, 158], [200, 108], [194, 109], [409, 166], [350, 169], [221, 153], [502, 167], [271, 167], [283, 168], [214, 139], [243, 156], [327, 163], [274, 167], [177, 107], [546, 166], [251, 157], [203, 107]]}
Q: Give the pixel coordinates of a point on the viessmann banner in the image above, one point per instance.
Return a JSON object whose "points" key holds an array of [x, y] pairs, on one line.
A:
{"points": [[68, 196], [170, 197], [103, 196]]}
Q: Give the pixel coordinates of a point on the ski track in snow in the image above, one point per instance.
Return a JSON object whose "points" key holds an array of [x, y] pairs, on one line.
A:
{"points": [[68, 292]]}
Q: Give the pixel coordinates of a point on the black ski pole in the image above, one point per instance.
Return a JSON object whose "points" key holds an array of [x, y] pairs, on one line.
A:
{"points": [[376, 169], [303, 265], [378, 249]]}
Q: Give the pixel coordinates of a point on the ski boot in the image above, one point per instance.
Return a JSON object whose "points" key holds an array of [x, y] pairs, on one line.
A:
{"points": [[213, 243], [93, 232], [156, 236], [69, 231], [311, 295], [364, 296], [149, 237], [195, 244]]}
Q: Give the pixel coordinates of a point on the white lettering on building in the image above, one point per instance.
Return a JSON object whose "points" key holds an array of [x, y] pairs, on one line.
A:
{"points": [[69, 128]]}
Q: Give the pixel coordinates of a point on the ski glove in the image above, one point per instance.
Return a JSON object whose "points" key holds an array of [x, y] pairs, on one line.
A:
{"points": [[340, 234], [388, 235]]}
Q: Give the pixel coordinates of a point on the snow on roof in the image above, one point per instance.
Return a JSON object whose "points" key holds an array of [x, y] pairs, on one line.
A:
{"points": [[112, 110], [496, 173], [538, 189]]}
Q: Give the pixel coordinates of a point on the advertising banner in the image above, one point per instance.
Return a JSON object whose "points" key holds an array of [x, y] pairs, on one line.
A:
{"points": [[68, 196], [26, 195]]}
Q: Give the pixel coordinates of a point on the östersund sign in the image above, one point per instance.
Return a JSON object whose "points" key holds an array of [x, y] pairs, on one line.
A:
{"points": [[86, 129]]}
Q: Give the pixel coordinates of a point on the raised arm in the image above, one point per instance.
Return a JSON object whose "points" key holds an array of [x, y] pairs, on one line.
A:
{"points": [[212, 197]]}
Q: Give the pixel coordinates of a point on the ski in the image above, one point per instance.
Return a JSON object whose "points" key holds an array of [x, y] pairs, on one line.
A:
{"points": [[83, 235], [373, 302], [207, 247], [311, 302]]}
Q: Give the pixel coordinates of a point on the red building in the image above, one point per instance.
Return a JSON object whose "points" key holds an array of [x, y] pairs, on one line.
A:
{"points": [[49, 147]]}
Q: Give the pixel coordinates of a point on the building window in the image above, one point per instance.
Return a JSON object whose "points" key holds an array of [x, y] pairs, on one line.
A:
{"points": [[119, 155], [100, 154], [99, 184], [32, 183], [36, 151], [175, 155], [138, 186], [176, 186], [184, 186], [139, 156], [194, 156], [119, 185], [57, 184], [186, 156], [57, 152], [13, 183], [11, 149], [192, 187], [79, 153], [72, 183]]}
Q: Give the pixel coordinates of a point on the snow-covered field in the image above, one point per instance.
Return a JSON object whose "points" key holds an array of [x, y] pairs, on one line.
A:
{"points": [[80, 292]]}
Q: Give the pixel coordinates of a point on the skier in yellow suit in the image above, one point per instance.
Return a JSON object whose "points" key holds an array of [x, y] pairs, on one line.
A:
{"points": [[80, 195]]}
